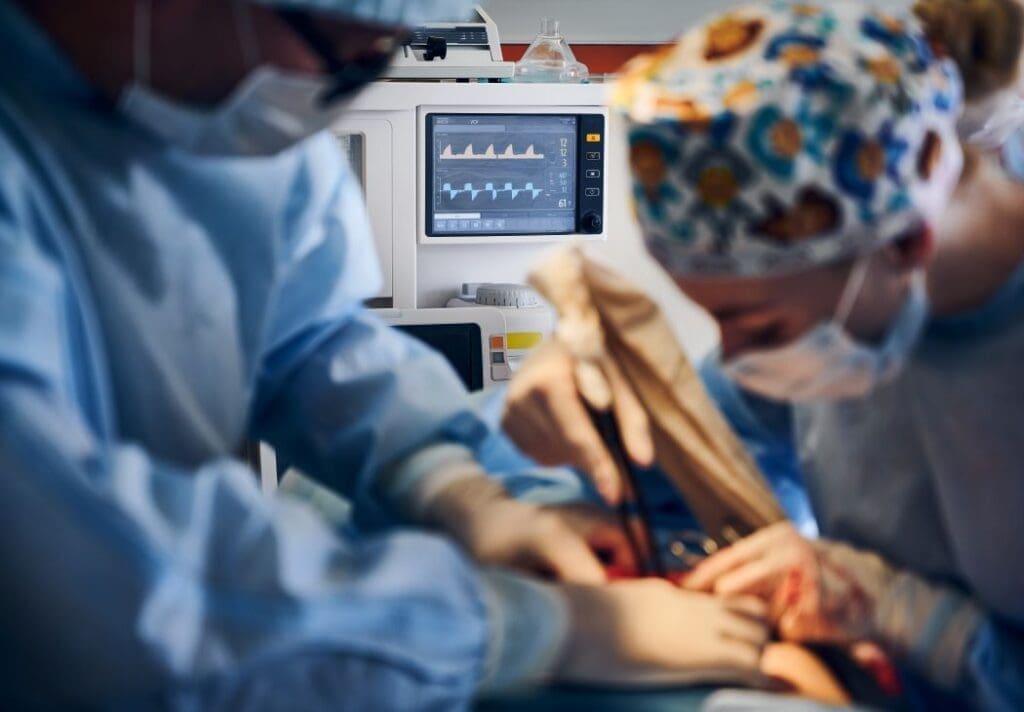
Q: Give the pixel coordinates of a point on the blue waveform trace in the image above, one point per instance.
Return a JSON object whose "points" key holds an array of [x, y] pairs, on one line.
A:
{"points": [[453, 193]]}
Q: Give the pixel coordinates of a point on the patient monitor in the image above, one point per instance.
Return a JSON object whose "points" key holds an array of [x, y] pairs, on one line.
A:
{"points": [[508, 175], [471, 182]]}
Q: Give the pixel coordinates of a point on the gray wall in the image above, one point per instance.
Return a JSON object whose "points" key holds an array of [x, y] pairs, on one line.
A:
{"points": [[600, 21], [611, 21]]}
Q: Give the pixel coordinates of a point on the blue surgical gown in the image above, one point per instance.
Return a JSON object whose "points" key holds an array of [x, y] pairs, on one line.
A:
{"points": [[155, 310]]}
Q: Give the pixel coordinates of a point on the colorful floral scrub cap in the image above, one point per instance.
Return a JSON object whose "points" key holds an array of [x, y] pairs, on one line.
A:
{"points": [[783, 136]]}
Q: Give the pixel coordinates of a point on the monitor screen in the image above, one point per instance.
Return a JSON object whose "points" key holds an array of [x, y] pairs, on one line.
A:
{"points": [[502, 174], [460, 344]]}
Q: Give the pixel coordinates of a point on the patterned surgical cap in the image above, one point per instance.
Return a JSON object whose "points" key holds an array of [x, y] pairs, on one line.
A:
{"points": [[782, 136]]}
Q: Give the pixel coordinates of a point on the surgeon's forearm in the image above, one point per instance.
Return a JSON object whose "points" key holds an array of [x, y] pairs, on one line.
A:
{"points": [[851, 594], [357, 401], [202, 578]]}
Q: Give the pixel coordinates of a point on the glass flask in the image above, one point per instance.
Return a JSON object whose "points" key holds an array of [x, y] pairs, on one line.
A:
{"points": [[550, 59]]}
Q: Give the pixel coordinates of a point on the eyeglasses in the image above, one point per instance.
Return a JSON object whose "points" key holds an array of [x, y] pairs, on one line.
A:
{"points": [[345, 76]]}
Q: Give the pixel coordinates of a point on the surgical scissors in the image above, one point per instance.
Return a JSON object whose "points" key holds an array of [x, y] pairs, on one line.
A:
{"points": [[648, 559]]}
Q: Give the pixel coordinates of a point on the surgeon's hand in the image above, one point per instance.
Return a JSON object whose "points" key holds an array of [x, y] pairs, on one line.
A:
{"points": [[650, 632], [558, 542], [818, 591], [546, 417], [756, 565]]}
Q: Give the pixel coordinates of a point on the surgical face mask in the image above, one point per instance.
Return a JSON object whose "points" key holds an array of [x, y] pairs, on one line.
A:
{"points": [[269, 111], [827, 363], [990, 124]]}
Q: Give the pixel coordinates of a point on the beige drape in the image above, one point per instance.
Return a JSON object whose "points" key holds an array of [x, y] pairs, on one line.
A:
{"points": [[603, 317]]}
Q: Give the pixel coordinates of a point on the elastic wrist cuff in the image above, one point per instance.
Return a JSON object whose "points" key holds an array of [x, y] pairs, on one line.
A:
{"points": [[410, 486], [529, 626], [931, 626]]}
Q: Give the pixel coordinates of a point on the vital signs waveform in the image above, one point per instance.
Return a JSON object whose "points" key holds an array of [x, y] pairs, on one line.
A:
{"points": [[509, 154], [453, 193]]}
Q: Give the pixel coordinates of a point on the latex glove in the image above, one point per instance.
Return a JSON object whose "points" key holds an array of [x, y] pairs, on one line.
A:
{"points": [[496, 529], [546, 416], [756, 565], [827, 592], [855, 595], [650, 632]]}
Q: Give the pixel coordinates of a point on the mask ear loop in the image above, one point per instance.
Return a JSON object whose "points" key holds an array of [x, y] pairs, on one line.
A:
{"points": [[248, 40], [142, 29], [852, 290]]}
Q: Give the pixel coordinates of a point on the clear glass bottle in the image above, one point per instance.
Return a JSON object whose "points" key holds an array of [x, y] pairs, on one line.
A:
{"points": [[550, 59]]}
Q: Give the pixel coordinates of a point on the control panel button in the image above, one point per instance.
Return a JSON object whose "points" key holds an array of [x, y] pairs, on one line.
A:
{"points": [[593, 138], [592, 223], [593, 155], [501, 372], [593, 173], [592, 192]]}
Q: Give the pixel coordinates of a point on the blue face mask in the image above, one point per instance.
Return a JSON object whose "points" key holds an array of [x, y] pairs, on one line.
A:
{"points": [[827, 363]]}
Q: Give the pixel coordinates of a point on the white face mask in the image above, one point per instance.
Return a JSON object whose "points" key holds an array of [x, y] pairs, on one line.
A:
{"points": [[268, 112], [990, 124], [826, 363]]}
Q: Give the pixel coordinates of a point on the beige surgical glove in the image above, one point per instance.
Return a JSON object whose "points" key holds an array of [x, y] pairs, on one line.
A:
{"points": [[546, 416], [756, 565], [443, 487], [827, 592], [856, 595], [550, 541], [650, 632]]}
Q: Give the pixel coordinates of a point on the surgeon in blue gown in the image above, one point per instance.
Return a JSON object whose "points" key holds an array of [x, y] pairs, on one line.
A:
{"points": [[183, 261]]}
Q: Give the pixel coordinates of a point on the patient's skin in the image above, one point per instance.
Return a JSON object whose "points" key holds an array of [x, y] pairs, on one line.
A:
{"points": [[803, 673]]}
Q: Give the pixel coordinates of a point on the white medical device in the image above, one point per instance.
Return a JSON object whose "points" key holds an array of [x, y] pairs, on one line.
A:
{"points": [[529, 320], [453, 50], [470, 182]]}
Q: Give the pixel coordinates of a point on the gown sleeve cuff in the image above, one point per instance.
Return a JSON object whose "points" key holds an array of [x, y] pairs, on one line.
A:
{"points": [[408, 488], [931, 626], [529, 626]]}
